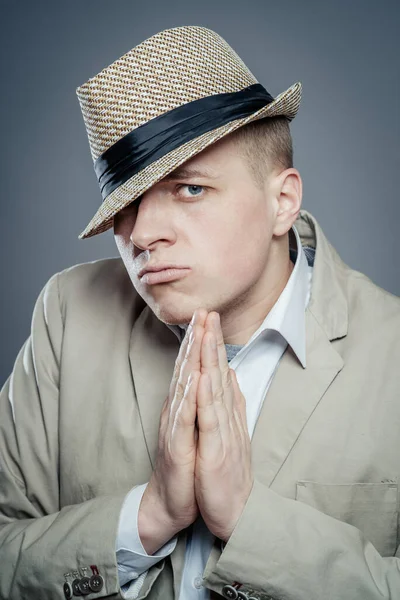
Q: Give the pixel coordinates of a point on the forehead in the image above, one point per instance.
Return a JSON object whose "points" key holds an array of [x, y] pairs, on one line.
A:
{"points": [[190, 171], [211, 163]]}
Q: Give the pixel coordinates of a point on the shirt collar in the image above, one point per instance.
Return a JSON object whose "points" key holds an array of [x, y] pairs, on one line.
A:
{"points": [[287, 316]]}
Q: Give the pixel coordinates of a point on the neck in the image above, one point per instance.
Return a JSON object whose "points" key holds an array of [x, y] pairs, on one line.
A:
{"points": [[240, 321]]}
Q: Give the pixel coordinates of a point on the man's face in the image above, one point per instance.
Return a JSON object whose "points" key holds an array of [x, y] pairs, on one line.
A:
{"points": [[210, 217]]}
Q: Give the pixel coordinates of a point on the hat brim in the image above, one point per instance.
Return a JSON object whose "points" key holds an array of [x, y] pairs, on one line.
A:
{"points": [[285, 104]]}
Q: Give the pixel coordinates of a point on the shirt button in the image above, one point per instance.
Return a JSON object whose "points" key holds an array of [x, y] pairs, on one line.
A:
{"points": [[198, 583]]}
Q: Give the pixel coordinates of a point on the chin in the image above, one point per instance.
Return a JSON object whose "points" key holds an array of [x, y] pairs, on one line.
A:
{"points": [[177, 309], [170, 315]]}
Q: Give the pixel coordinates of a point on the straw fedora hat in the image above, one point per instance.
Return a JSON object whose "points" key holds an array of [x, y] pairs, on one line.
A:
{"points": [[163, 102]]}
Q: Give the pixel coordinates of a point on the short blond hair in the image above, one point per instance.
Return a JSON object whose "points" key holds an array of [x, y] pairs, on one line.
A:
{"points": [[266, 144]]}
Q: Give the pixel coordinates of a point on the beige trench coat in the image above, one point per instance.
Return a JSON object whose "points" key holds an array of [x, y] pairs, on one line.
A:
{"points": [[79, 421]]}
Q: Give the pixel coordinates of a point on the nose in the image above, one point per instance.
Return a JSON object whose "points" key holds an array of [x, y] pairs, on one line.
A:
{"points": [[153, 224]]}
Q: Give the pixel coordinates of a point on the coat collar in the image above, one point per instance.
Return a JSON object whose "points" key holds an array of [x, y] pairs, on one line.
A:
{"points": [[328, 301]]}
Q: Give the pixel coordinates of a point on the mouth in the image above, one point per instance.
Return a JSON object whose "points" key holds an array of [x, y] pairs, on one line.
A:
{"points": [[164, 276]]}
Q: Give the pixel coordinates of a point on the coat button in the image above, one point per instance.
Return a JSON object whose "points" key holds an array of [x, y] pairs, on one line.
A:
{"points": [[96, 583], [84, 586], [67, 587], [75, 587], [242, 596], [229, 592]]}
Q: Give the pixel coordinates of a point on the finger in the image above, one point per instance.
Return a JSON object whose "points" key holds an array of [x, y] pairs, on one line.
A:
{"points": [[179, 359], [198, 318], [163, 418], [182, 440], [210, 365], [210, 438], [213, 324], [240, 401], [240, 419], [190, 364]]}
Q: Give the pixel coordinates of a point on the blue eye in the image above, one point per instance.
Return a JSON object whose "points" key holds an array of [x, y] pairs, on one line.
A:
{"points": [[194, 189], [189, 191]]}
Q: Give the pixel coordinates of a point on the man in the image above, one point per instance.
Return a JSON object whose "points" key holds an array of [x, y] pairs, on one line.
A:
{"points": [[214, 415]]}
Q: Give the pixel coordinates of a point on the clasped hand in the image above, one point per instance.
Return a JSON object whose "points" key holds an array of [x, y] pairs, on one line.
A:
{"points": [[203, 462]]}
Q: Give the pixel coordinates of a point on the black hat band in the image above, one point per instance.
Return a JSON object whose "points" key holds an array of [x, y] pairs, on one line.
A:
{"points": [[159, 136]]}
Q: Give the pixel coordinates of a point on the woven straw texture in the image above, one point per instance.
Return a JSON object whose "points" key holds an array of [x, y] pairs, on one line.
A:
{"points": [[167, 70]]}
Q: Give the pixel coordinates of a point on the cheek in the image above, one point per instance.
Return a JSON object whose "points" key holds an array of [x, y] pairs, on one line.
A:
{"points": [[122, 231], [124, 247], [240, 248], [121, 244]]}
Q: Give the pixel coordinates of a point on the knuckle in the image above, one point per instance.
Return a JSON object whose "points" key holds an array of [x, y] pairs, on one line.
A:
{"points": [[212, 427], [180, 388], [226, 378], [160, 448], [162, 426], [165, 405], [177, 370], [182, 419], [181, 353], [219, 395], [184, 364], [189, 341]]}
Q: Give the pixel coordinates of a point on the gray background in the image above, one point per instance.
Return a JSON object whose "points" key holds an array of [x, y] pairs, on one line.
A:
{"points": [[346, 134]]}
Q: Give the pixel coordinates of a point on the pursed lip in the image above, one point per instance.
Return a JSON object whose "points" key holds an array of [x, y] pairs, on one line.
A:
{"points": [[160, 267]]}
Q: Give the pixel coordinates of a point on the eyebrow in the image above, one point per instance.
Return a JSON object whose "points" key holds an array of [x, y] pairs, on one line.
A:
{"points": [[189, 173]]}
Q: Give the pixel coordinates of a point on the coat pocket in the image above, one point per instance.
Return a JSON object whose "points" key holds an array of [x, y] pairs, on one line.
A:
{"points": [[371, 507]]}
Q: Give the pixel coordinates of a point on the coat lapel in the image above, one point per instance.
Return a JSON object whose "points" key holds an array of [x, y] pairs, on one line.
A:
{"points": [[295, 392], [291, 399], [153, 351]]}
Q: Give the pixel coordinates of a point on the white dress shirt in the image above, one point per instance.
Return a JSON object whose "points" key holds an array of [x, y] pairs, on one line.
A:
{"points": [[255, 364]]}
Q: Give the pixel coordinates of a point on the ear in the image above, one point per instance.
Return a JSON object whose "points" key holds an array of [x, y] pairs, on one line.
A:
{"points": [[288, 191]]}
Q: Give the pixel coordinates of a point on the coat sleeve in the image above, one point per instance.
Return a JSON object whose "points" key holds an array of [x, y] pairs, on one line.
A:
{"points": [[43, 544], [282, 548]]}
